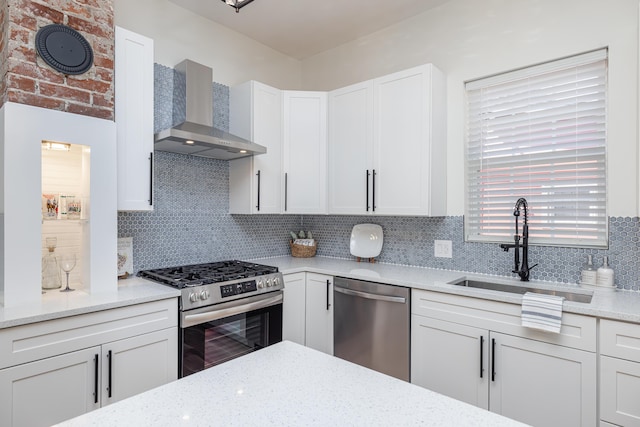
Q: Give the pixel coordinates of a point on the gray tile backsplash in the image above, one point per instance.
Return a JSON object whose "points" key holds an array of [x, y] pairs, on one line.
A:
{"points": [[191, 224]]}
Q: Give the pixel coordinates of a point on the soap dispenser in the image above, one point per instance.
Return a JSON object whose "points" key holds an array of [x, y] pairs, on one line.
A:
{"points": [[604, 275], [588, 275]]}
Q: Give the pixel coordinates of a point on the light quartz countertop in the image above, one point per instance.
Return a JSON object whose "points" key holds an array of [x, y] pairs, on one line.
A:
{"points": [[288, 384], [55, 304], [609, 304]]}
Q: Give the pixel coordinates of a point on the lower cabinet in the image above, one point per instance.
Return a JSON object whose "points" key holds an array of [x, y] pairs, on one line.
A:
{"points": [[308, 310], [459, 348], [619, 373], [70, 381]]}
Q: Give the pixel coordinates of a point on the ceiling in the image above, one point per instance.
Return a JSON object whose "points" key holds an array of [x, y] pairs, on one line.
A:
{"points": [[303, 28]]}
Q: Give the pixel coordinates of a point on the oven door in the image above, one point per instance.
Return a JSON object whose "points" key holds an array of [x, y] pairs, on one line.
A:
{"points": [[212, 335]]}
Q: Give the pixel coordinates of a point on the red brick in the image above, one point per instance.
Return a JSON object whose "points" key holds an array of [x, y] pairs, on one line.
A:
{"points": [[101, 100], [64, 92], [84, 26], [22, 83], [102, 61], [81, 11], [24, 21], [40, 10], [103, 74], [19, 34], [35, 100], [22, 52], [34, 71], [93, 3], [89, 84], [88, 110]]}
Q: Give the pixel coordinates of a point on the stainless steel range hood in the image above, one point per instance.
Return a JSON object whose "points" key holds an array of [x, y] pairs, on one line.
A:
{"points": [[196, 135]]}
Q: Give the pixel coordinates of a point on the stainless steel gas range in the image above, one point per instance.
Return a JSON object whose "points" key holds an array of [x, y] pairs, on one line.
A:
{"points": [[227, 309]]}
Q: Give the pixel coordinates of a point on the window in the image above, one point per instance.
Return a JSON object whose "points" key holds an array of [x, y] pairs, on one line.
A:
{"points": [[539, 133]]}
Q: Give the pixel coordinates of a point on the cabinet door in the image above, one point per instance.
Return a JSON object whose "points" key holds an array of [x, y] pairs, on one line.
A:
{"points": [[293, 308], [134, 119], [305, 152], [542, 384], [410, 143], [138, 364], [319, 313], [255, 183], [450, 359], [619, 391], [350, 149], [50, 390]]}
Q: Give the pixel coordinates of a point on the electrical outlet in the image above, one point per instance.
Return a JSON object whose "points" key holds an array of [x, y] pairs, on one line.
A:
{"points": [[442, 249]]}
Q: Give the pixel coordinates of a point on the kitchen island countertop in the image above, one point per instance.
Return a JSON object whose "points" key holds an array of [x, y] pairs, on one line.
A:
{"points": [[288, 384]]}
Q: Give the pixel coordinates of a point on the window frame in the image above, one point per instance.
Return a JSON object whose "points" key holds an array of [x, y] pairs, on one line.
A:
{"points": [[519, 74]]}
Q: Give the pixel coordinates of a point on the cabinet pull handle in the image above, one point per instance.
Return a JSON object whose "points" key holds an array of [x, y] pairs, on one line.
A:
{"points": [[367, 191], [151, 179], [285, 191], [109, 387], [493, 359], [95, 378], [373, 180], [481, 355], [328, 286], [258, 205]]}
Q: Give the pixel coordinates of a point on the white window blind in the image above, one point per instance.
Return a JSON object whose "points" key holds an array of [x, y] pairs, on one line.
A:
{"points": [[539, 133]]}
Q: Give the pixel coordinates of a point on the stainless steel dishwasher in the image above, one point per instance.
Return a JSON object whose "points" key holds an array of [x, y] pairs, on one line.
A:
{"points": [[371, 325]]}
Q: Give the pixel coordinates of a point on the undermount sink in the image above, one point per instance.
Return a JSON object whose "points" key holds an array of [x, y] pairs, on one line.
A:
{"points": [[584, 297]]}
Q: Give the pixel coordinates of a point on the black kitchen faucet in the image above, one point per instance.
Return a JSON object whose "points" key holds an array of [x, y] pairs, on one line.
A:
{"points": [[523, 268]]}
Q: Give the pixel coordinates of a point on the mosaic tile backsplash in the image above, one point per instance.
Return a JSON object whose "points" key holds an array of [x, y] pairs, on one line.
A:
{"points": [[191, 224]]}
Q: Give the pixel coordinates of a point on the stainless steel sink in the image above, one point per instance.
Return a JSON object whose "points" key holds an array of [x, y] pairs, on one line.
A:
{"points": [[515, 289]]}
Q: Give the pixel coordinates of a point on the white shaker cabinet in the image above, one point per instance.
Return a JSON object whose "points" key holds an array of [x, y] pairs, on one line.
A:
{"points": [[51, 390], [255, 182], [351, 149], [619, 373], [307, 313], [294, 308], [305, 152], [387, 145], [319, 313], [476, 351], [409, 143], [134, 119], [54, 370]]}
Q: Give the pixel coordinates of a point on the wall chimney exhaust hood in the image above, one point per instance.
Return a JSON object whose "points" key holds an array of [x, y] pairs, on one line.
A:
{"points": [[196, 136]]}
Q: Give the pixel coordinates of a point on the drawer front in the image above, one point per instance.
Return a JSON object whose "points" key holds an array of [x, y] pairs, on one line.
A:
{"points": [[36, 341], [577, 331], [619, 391], [620, 339]]}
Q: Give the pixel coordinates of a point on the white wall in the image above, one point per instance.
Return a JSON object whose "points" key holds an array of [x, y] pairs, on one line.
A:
{"points": [[469, 39], [180, 34]]}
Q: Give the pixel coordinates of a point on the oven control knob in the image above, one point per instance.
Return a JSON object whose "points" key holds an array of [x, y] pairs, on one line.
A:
{"points": [[193, 297], [260, 284], [204, 295], [276, 281], [269, 282]]}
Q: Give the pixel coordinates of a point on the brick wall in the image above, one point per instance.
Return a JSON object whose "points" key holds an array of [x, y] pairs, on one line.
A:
{"points": [[27, 79]]}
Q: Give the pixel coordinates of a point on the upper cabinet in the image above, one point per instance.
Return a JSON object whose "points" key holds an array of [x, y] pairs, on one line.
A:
{"points": [[305, 152], [255, 183], [351, 149], [134, 120], [387, 145]]}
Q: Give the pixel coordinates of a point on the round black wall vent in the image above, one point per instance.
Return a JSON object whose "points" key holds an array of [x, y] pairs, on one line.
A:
{"points": [[64, 49]]}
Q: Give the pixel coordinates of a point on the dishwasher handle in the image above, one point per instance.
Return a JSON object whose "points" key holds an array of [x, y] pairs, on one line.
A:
{"points": [[367, 295]]}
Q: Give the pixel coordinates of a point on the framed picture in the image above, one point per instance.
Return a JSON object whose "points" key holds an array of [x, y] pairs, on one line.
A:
{"points": [[50, 205], [125, 257], [70, 207]]}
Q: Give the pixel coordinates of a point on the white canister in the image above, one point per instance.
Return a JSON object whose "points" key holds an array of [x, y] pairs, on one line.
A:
{"points": [[604, 275]]}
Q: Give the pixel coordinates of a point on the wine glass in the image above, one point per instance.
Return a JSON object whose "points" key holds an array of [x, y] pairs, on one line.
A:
{"points": [[67, 263]]}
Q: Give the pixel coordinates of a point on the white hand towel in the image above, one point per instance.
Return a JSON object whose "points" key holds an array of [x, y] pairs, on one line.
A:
{"points": [[541, 311]]}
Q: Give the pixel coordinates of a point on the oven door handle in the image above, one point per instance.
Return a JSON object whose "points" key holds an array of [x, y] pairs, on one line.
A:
{"points": [[215, 314]]}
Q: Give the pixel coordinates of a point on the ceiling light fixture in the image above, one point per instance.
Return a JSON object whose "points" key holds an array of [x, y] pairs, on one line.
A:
{"points": [[57, 146], [237, 4]]}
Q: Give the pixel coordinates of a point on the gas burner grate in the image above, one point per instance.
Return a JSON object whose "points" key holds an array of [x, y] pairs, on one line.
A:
{"points": [[203, 274]]}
